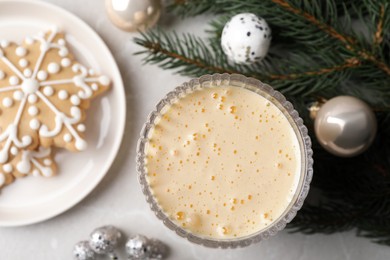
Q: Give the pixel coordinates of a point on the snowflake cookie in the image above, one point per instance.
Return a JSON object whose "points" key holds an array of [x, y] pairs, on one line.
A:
{"points": [[37, 163], [44, 92]]}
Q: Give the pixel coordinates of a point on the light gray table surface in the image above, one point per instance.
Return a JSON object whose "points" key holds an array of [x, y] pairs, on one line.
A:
{"points": [[118, 199]]}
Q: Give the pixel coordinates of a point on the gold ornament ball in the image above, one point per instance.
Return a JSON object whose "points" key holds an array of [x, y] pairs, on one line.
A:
{"points": [[345, 126], [133, 15]]}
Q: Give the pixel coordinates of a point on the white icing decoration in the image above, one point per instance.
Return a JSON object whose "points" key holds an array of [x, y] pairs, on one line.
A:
{"points": [[32, 98], [61, 41], [30, 86], [42, 75], [81, 128], [23, 63], [27, 73], [20, 51], [48, 91], [8, 168], [35, 173], [63, 94], [63, 52], [67, 138], [2, 179], [104, 80], [91, 72], [34, 124], [65, 62], [94, 86], [2, 75], [33, 111], [30, 89], [53, 68], [7, 102], [81, 145], [11, 136], [29, 40], [24, 166], [29, 163], [4, 43], [13, 80], [75, 100], [18, 95], [47, 162], [14, 150]]}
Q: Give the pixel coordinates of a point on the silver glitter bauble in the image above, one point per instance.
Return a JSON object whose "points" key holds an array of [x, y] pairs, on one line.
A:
{"points": [[345, 126], [103, 240], [83, 251], [140, 247], [137, 247], [157, 249], [133, 15]]}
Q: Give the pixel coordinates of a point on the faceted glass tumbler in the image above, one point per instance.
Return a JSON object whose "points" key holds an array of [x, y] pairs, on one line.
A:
{"points": [[275, 97]]}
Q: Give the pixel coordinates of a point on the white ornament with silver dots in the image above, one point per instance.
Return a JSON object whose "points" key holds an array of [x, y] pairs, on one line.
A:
{"points": [[246, 38]]}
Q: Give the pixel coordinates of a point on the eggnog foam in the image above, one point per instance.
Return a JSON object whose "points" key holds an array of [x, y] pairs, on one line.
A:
{"points": [[223, 162]]}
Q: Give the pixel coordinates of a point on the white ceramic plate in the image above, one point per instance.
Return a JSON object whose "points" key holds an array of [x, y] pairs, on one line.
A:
{"points": [[35, 199]]}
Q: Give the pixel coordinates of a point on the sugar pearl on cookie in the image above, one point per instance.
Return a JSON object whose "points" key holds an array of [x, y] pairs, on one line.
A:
{"points": [[61, 42], [27, 73], [7, 168], [67, 138], [13, 80], [29, 40], [63, 94], [48, 91], [94, 87], [65, 62], [104, 80], [32, 98], [75, 100], [47, 162], [53, 68], [14, 150], [42, 75], [2, 75], [81, 128], [33, 111], [20, 51], [23, 63], [35, 173], [4, 43], [34, 124], [18, 95], [63, 52], [7, 102]]}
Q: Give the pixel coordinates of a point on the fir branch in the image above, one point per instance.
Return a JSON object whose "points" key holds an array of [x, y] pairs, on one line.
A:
{"points": [[316, 53], [378, 36]]}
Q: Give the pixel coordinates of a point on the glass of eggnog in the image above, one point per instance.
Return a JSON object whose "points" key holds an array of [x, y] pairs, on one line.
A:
{"points": [[224, 161]]}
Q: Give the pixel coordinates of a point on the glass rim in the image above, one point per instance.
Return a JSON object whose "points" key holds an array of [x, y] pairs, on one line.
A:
{"points": [[274, 96]]}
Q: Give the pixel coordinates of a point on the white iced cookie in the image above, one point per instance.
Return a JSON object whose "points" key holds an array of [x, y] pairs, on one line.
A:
{"points": [[44, 92]]}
